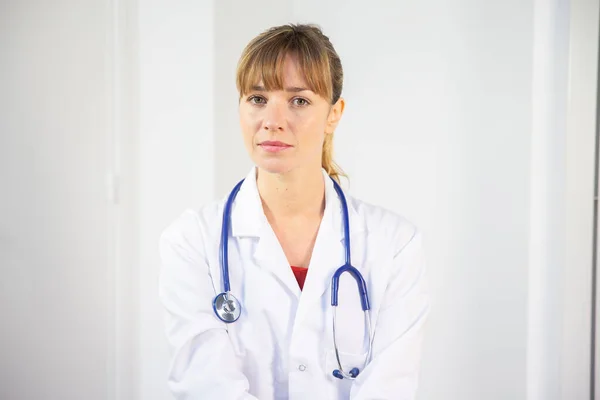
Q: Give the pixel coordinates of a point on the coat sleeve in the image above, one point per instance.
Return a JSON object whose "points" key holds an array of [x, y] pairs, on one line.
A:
{"points": [[393, 370], [203, 364]]}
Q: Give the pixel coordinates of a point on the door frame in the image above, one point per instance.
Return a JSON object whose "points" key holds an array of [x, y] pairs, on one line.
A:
{"points": [[580, 375], [122, 180]]}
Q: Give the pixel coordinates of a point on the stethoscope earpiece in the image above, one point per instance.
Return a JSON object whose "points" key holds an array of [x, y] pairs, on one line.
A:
{"points": [[352, 374]]}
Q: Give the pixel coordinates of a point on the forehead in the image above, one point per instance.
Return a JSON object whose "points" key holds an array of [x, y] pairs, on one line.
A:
{"points": [[291, 74]]}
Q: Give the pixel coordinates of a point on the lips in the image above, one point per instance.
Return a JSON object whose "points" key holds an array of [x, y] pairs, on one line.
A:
{"points": [[274, 146], [274, 143]]}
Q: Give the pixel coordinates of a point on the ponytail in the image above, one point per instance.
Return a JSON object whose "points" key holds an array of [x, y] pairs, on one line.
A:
{"points": [[332, 169]]}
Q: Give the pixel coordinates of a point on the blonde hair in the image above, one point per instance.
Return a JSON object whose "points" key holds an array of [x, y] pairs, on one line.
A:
{"points": [[262, 60]]}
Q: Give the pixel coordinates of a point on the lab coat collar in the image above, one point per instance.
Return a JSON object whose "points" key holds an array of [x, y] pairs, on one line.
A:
{"points": [[248, 217], [249, 220]]}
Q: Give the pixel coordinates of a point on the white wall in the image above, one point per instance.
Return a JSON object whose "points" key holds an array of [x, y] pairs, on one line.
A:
{"points": [[56, 229]]}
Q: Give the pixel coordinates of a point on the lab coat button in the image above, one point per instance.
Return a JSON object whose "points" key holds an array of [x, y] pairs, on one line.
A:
{"points": [[302, 367]]}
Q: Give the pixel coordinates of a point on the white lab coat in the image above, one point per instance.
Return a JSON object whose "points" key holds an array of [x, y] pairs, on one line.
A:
{"points": [[282, 345]]}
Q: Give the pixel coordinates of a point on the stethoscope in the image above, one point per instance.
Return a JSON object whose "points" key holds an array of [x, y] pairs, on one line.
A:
{"points": [[228, 308]]}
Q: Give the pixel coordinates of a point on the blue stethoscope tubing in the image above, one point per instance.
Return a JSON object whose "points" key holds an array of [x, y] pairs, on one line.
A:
{"points": [[228, 309]]}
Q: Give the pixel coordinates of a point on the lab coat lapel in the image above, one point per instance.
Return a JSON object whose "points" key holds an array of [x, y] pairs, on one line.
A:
{"points": [[329, 250], [249, 220], [327, 256], [269, 255]]}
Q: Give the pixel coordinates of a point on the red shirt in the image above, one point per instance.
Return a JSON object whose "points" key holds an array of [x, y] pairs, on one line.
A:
{"points": [[300, 274]]}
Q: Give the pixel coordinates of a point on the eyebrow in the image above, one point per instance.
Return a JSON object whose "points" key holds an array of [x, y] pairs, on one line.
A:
{"points": [[293, 89]]}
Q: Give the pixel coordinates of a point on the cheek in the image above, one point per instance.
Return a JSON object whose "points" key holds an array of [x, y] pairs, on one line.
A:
{"points": [[310, 129], [249, 124]]}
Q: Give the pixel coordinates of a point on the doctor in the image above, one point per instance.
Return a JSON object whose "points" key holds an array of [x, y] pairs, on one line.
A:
{"points": [[289, 288]]}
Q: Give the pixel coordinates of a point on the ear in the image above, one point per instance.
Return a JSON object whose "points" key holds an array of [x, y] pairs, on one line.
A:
{"points": [[335, 114]]}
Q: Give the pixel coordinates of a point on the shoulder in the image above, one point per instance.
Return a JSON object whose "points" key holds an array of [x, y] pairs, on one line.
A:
{"points": [[386, 224], [192, 225]]}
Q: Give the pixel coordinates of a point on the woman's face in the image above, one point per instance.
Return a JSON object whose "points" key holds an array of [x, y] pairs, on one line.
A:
{"points": [[285, 129]]}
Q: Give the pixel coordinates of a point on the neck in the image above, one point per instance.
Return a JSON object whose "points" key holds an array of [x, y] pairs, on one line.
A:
{"points": [[299, 193]]}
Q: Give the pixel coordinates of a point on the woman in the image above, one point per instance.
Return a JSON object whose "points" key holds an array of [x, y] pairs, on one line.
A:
{"points": [[287, 232]]}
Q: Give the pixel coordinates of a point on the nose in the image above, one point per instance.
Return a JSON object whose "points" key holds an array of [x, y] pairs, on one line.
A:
{"points": [[274, 116]]}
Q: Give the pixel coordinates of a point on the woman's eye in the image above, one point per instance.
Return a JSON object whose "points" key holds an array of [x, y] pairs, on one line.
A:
{"points": [[256, 100], [300, 102]]}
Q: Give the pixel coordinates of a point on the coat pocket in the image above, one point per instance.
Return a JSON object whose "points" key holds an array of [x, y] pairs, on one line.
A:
{"points": [[348, 361]]}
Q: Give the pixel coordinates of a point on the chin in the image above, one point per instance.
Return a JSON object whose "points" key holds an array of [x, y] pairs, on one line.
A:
{"points": [[273, 166]]}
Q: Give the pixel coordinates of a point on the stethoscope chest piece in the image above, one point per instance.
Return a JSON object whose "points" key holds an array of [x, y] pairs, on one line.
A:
{"points": [[227, 307]]}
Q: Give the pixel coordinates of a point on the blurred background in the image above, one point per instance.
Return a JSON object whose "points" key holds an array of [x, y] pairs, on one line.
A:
{"points": [[475, 119]]}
